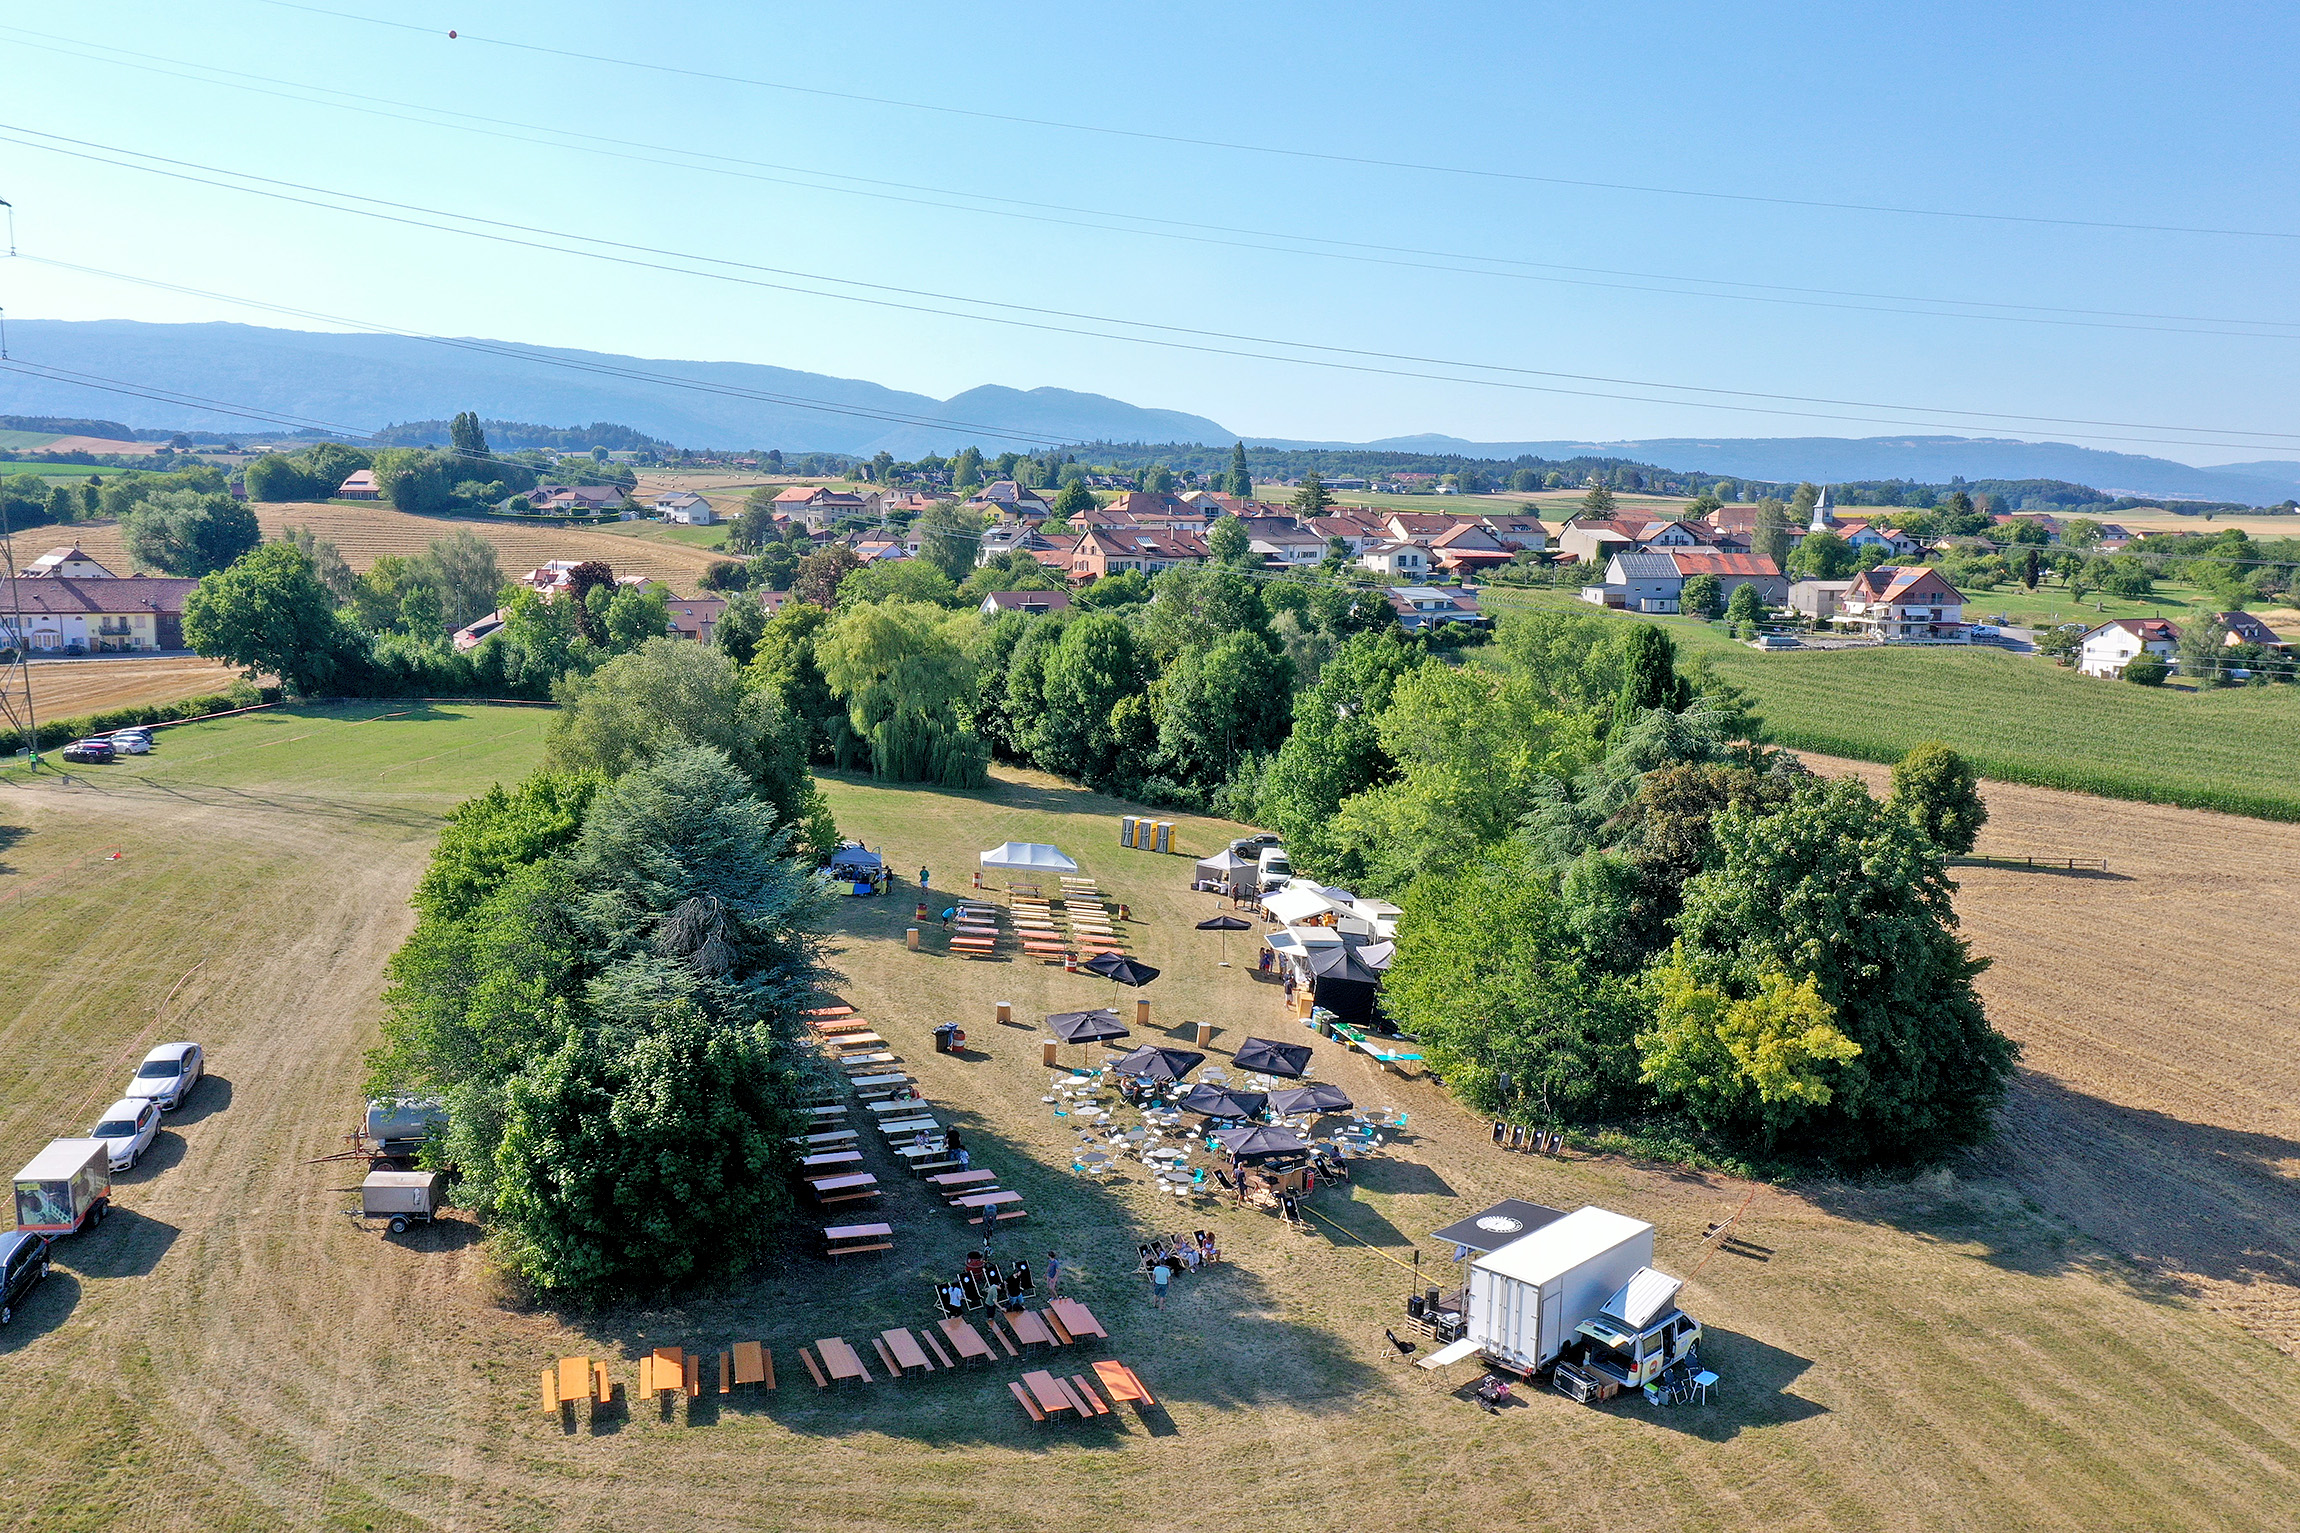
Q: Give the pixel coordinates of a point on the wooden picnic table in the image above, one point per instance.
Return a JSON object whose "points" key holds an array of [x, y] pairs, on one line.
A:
{"points": [[825, 1138], [1077, 1319], [855, 1064], [884, 1078], [988, 1200], [845, 1189], [753, 1365], [840, 1360], [1051, 1393], [856, 1231], [964, 1339], [575, 1379], [1029, 1329], [950, 1181], [830, 1158], [907, 1352], [899, 1105], [895, 1127], [856, 1041], [1122, 1382]]}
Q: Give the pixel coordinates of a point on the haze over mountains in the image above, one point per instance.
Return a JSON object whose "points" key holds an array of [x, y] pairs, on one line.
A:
{"points": [[366, 382]]}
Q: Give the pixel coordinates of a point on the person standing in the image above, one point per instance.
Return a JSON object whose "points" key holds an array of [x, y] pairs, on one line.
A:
{"points": [[1160, 1276], [1053, 1274], [922, 878]]}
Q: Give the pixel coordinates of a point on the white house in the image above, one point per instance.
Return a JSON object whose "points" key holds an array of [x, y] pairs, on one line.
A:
{"points": [[2108, 649], [1909, 601], [65, 564], [1289, 546], [1409, 560], [108, 615], [686, 508]]}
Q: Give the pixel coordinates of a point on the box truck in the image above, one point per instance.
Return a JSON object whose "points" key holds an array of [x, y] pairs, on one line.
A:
{"points": [[66, 1187], [1526, 1297]]}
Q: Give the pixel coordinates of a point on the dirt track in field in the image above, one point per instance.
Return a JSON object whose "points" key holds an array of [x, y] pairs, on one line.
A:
{"points": [[2158, 1004]]}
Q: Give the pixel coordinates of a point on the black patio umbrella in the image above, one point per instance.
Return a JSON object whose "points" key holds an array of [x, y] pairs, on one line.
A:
{"points": [[1118, 966], [1260, 1141], [1225, 925], [1222, 1102], [1291, 1060], [1085, 1026], [1317, 1097], [1159, 1064]]}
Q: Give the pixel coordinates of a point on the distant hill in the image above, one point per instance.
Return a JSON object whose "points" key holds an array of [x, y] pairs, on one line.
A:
{"points": [[367, 381], [1924, 459]]}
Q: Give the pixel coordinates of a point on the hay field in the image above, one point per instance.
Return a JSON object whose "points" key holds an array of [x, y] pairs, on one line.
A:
{"points": [[366, 532], [2158, 1108], [231, 1352], [72, 688]]}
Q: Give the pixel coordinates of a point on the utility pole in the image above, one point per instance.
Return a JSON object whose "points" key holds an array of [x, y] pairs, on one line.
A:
{"points": [[19, 650]]}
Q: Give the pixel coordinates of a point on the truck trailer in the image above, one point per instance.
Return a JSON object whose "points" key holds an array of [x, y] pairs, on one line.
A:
{"points": [[1526, 1297], [66, 1187], [402, 1197]]}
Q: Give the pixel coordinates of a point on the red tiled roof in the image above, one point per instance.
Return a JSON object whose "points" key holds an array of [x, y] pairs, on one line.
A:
{"points": [[1712, 561], [62, 595]]}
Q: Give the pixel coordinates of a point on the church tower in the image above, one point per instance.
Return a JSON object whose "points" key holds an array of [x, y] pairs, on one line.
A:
{"points": [[1823, 517]]}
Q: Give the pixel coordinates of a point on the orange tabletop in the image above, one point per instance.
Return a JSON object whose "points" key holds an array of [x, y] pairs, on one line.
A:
{"points": [[1028, 1328], [964, 1337], [987, 1199], [574, 1377], [1048, 1391], [905, 1348], [750, 1363], [1121, 1382], [1077, 1319], [840, 1359]]}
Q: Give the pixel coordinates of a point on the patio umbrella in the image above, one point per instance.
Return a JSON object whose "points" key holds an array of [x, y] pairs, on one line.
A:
{"points": [[1222, 1102], [1120, 967], [1317, 1097], [1225, 925], [1258, 1141], [1085, 1026], [1159, 1064], [1291, 1060]]}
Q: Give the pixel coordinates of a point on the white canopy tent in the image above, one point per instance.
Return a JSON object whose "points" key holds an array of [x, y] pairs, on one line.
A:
{"points": [[1297, 903], [1028, 857]]}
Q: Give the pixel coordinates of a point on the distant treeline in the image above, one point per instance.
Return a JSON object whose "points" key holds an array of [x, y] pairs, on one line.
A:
{"points": [[516, 436], [64, 425]]}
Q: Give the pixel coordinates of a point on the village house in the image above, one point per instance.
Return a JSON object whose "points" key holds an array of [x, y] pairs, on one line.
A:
{"points": [[1905, 602], [1594, 540], [2108, 649], [575, 499], [1291, 545], [1523, 532], [1862, 533], [1421, 607], [1113, 550], [686, 508], [815, 506], [359, 486], [1820, 600], [695, 617], [1408, 561], [2244, 628], [1356, 531], [65, 562], [1015, 499], [1466, 548], [65, 615], [1653, 579]]}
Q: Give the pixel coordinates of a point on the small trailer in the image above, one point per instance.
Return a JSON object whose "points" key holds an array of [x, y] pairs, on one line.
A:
{"points": [[66, 1188], [402, 1197]]}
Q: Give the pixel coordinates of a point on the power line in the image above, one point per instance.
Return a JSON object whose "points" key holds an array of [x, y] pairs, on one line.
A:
{"points": [[1334, 358], [1324, 156], [1241, 238]]}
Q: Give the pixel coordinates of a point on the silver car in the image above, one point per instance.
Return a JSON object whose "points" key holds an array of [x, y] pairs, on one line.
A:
{"points": [[132, 742], [168, 1075], [128, 1128]]}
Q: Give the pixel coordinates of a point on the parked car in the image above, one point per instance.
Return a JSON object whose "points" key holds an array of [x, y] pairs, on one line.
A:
{"points": [[128, 1128], [1983, 631], [23, 1263], [132, 742], [168, 1075], [1250, 847], [97, 748]]}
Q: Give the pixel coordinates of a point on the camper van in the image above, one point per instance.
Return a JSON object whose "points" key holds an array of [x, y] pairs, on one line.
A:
{"points": [[1274, 869]]}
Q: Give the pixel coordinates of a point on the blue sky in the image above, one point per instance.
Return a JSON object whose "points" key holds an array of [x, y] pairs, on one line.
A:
{"points": [[2099, 113]]}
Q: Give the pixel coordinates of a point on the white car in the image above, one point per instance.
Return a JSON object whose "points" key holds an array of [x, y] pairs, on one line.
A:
{"points": [[127, 1129], [168, 1075], [132, 742], [1984, 631]]}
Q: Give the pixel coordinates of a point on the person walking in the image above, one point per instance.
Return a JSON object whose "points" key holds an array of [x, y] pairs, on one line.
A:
{"points": [[1160, 1276], [1053, 1274], [922, 878]]}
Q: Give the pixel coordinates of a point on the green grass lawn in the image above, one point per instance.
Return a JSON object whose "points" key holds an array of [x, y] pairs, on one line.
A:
{"points": [[2049, 604], [693, 537], [57, 473], [2019, 718]]}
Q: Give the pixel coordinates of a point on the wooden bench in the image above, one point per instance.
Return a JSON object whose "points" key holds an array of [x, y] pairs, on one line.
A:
{"points": [[1085, 1393], [814, 1369], [1028, 1404]]}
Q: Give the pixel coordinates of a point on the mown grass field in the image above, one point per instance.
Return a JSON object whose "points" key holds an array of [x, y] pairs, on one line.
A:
{"points": [[2020, 718], [230, 1352], [64, 689]]}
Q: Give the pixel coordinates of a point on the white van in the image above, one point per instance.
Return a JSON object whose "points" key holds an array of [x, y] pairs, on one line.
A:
{"points": [[1274, 868]]}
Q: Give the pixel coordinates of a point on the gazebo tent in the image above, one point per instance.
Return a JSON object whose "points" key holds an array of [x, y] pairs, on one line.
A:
{"points": [[1260, 1141], [1298, 903], [1159, 1064], [1028, 857], [1085, 1026], [1291, 1060], [853, 861], [1233, 872], [1342, 983]]}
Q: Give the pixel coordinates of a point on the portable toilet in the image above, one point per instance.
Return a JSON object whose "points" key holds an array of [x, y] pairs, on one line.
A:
{"points": [[1126, 824]]}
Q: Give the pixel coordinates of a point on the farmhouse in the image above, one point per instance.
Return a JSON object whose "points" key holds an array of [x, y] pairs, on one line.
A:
{"points": [[2244, 628], [1653, 580], [1820, 600], [686, 508], [1905, 602], [2108, 649], [69, 562], [109, 615], [359, 486]]}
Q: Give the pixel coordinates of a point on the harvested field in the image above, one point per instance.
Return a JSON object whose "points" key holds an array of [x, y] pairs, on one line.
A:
{"points": [[2158, 1108], [367, 532], [231, 1352], [63, 689]]}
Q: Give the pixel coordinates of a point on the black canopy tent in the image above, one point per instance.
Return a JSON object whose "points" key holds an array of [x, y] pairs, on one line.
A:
{"points": [[1497, 1226], [1085, 1026], [1291, 1060], [1260, 1141], [1222, 1102], [1343, 983], [1159, 1064], [1318, 1096]]}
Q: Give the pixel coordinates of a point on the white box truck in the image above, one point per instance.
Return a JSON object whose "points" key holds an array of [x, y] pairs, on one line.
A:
{"points": [[1526, 1297], [67, 1185]]}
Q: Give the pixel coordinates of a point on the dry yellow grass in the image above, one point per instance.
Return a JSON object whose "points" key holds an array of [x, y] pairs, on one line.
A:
{"points": [[71, 688], [231, 1352], [366, 533]]}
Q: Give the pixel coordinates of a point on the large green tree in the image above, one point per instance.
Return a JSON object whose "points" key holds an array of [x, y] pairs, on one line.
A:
{"points": [[1240, 480], [1313, 498], [185, 532], [907, 683], [1220, 705], [1333, 751], [269, 613], [1093, 668], [1940, 793]]}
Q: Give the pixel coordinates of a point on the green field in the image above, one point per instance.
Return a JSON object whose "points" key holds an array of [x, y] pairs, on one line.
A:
{"points": [[693, 537], [2019, 718], [25, 441], [229, 1351]]}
